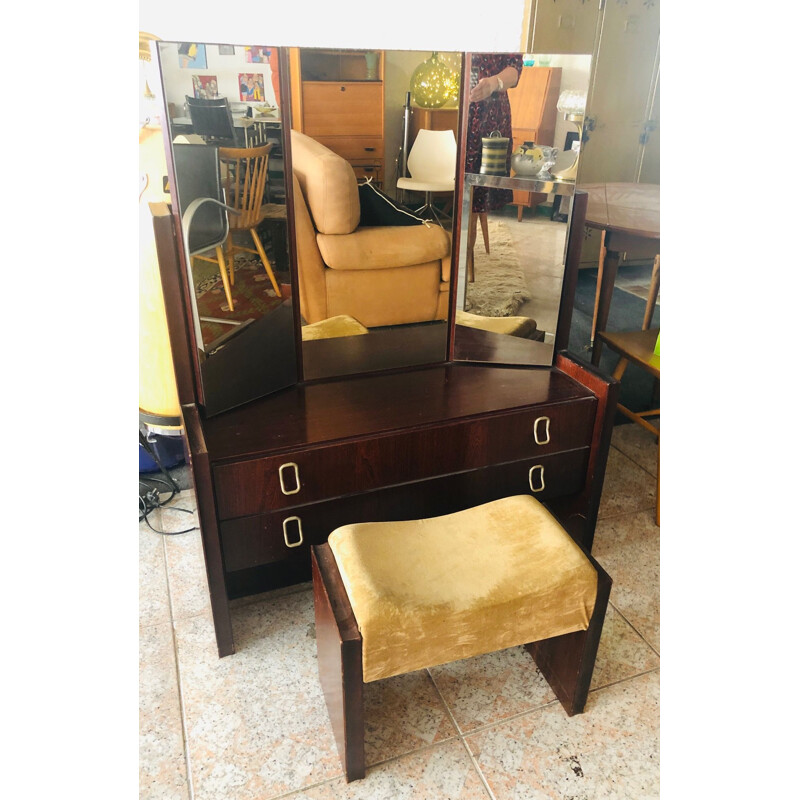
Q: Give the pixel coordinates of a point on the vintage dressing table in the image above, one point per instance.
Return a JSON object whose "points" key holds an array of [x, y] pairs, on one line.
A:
{"points": [[289, 439]]}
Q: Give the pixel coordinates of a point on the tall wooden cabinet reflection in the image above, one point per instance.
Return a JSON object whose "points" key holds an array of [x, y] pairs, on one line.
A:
{"points": [[337, 99], [534, 110]]}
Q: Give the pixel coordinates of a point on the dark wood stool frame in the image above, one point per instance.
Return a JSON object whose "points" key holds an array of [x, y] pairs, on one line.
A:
{"points": [[567, 661]]}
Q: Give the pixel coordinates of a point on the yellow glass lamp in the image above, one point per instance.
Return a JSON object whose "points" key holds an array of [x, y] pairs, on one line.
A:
{"points": [[433, 83], [572, 104]]}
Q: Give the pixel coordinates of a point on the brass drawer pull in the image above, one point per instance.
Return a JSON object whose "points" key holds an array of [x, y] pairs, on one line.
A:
{"points": [[299, 530], [536, 438], [296, 478], [541, 478]]}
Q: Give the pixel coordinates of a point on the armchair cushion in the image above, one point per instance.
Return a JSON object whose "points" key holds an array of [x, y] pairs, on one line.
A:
{"points": [[385, 247], [329, 185]]}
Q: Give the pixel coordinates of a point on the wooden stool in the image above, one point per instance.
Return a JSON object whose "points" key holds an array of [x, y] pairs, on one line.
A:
{"points": [[638, 347], [394, 597]]}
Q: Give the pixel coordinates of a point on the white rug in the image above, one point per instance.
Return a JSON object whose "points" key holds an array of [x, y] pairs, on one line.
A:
{"points": [[499, 289]]}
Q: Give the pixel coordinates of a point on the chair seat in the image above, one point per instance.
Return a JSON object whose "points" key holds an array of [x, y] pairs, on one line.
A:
{"points": [[415, 185], [427, 592]]}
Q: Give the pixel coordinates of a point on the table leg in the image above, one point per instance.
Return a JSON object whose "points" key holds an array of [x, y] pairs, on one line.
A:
{"points": [[600, 261], [606, 291], [655, 283]]}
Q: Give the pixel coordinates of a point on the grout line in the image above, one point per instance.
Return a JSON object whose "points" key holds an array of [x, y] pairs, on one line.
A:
{"points": [[632, 460], [475, 764], [634, 628], [181, 704]]}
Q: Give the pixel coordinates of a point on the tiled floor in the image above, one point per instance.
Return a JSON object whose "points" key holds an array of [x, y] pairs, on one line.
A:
{"points": [[253, 726]]}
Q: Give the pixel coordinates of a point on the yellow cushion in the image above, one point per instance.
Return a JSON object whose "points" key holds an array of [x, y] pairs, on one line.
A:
{"points": [[513, 326], [333, 328], [427, 592]]}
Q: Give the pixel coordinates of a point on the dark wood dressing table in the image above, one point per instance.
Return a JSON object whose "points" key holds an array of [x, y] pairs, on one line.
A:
{"points": [[278, 473]]}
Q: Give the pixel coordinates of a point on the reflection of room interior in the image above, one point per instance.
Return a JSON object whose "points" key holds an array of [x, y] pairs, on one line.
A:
{"points": [[404, 400]]}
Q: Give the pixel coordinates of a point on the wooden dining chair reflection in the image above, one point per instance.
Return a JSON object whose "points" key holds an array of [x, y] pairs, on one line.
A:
{"points": [[244, 177]]}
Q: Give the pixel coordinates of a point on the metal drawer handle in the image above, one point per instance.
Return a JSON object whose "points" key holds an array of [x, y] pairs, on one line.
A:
{"points": [[541, 478], [536, 438], [281, 468], [299, 530]]}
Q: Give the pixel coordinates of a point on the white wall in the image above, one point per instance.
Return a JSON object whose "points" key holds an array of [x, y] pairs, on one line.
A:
{"points": [[411, 25]]}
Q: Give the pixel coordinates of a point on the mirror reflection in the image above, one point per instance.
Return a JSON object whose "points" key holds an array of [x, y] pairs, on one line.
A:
{"points": [[223, 106], [374, 158], [521, 158]]}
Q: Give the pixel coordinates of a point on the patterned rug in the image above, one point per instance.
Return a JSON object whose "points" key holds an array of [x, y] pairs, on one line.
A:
{"points": [[252, 292], [499, 288]]}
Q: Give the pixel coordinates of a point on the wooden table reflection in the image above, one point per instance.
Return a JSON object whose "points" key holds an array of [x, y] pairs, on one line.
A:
{"points": [[627, 214]]}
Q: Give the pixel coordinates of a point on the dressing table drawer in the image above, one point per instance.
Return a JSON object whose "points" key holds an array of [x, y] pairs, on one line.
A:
{"points": [[323, 473], [297, 478], [286, 535]]}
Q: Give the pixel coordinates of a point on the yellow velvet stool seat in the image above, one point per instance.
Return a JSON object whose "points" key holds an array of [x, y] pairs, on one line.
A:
{"points": [[395, 597], [430, 591]]}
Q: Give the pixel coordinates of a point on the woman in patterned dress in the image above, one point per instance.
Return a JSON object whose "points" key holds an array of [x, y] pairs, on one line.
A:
{"points": [[492, 74]]}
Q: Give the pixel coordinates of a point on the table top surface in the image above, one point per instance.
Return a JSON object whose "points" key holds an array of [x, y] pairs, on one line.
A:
{"points": [[238, 121], [633, 208]]}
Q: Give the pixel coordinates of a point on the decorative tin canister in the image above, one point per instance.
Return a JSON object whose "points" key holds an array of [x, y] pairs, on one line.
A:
{"points": [[494, 154]]}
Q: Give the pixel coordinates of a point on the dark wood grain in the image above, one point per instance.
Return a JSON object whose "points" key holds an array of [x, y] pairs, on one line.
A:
{"points": [[312, 414], [207, 514], [249, 542], [179, 328], [578, 513], [339, 661], [567, 662], [474, 344], [254, 486], [380, 349]]}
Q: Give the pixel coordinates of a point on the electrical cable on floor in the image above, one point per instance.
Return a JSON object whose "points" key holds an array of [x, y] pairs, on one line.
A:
{"points": [[151, 499]]}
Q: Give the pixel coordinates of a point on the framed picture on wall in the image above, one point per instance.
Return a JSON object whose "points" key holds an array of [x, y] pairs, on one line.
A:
{"points": [[226, 49], [192, 56], [205, 86], [251, 86], [257, 55]]}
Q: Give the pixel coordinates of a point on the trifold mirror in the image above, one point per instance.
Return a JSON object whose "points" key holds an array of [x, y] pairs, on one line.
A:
{"points": [[327, 246]]}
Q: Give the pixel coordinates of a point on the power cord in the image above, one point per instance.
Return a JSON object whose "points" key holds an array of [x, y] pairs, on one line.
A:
{"points": [[151, 499]]}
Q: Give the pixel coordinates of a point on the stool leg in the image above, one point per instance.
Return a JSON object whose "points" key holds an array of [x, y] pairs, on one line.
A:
{"points": [[567, 661], [339, 661]]}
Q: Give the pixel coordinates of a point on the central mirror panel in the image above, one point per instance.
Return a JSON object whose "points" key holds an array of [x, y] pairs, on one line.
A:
{"points": [[373, 209], [521, 158]]}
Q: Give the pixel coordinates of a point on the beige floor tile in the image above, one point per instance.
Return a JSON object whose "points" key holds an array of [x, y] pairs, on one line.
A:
{"points": [[188, 584], [627, 487], [628, 547], [256, 720], [162, 765], [622, 653], [638, 444], [486, 689], [442, 772], [611, 751], [153, 587], [403, 714]]}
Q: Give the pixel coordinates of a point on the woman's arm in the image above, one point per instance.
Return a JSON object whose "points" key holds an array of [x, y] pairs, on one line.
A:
{"points": [[485, 87]]}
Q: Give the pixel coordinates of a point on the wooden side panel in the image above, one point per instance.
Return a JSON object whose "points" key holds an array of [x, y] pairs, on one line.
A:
{"points": [[578, 513], [212, 547], [339, 661]]}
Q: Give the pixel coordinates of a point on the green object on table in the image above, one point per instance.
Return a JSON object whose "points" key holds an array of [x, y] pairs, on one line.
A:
{"points": [[657, 349]]}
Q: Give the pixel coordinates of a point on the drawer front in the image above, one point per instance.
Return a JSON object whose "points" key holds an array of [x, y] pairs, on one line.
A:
{"points": [[331, 109], [268, 484], [365, 171], [286, 535], [355, 148]]}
